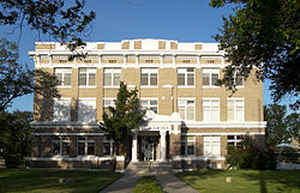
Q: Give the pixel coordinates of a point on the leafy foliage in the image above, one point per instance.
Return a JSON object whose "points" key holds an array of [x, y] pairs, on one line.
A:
{"points": [[17, 80], [15, 137], [251, 156], [122, 119], [281, 128], [265, 35], [62, 21]]}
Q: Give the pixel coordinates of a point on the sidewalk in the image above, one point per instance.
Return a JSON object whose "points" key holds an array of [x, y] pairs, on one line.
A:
{"points": [[171, 184], [125, 184]]}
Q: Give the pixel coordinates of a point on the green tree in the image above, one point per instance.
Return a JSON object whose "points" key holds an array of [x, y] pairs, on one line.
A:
{"points": [[276, 130], [17, 80], [122, 119], [264, 35], [15, 135], [63, 21]]}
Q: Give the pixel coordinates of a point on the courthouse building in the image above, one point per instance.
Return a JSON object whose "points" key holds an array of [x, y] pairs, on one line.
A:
{"points": [[190, 119]]}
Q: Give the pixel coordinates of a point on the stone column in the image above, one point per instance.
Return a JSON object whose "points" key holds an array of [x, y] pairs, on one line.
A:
{"points": [[163, 155], [134, 148]]}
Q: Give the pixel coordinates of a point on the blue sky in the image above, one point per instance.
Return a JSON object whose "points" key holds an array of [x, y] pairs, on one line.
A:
{"points": [[187, 21]]}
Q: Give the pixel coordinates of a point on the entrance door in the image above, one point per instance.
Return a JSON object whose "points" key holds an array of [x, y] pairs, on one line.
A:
{"points": [[148, 149]]}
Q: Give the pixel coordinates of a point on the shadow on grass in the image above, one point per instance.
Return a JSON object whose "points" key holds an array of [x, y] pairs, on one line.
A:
{"points": [[57, 181]]}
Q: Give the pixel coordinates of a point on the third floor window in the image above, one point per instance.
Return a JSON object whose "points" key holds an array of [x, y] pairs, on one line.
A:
{"points": [[149, 77], [64, 76], [185, 76], [87, 77], [112, 77]]}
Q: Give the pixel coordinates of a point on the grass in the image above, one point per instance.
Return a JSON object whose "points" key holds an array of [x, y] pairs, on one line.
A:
{"points": [[147, 184], [54, 181], [246, 181]]}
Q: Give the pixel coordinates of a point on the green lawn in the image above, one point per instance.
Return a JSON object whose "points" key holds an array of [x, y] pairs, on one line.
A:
{"points": [[246, 181], [147, 184], [48, 181]]}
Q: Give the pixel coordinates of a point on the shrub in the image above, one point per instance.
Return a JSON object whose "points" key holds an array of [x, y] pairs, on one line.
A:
{"points": [[251, 156]]}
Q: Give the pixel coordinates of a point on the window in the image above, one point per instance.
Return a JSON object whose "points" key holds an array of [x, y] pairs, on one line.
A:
{"points": [[60, 59], [210, 77], [186, 108], [235, 109], [61, 146], [87, 77], [211, 146], [150, 104], [149, 76], [185, 77], [64, 76], [85, 146], [108, 102], [234, 140], [108, 146], [211, 109], [188, 145], [112, 77], [87, 110], [239, 81], [62, 109]]}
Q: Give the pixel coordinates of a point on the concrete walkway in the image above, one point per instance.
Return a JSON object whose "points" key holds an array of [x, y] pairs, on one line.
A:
{"points": [[171, 184], [125, 184]]}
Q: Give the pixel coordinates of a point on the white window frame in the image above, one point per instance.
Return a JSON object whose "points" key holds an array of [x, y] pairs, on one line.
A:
{"points": [[112, 103], [189, 140], [111, 71], [63, 71], [211, 109], [148, 103], [64, 102], [60, 142], [88, 72], [183, 102], [207, 142], [235, 104], [86, 142], [210, 71], [88, 100], [235, 140], [186, 73], [149, 71]]}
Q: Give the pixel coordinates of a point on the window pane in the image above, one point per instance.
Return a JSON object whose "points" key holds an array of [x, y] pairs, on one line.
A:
{"points": [[91, 148], [214, 79], [59, 78], [181, 112], [190, 113], [106, 149], [81, 147], [190, 149], [239, 81], [67, 79], [117, 77], [66, 148], [144, 79], [180, 79], [153, 79], [205, 79], [82, 79], [107, 79], [153, 102], [55, 148], [190, 79], [92, 79]]}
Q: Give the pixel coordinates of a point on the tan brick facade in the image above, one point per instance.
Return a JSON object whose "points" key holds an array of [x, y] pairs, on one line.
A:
{"points": [[131, 57]]}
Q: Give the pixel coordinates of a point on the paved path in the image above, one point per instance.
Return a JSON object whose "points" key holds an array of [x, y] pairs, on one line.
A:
{"points": [[171, 184], [125, 184]]}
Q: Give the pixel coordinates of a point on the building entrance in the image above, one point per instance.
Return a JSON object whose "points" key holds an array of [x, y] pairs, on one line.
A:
{"points": [[148, 148]]}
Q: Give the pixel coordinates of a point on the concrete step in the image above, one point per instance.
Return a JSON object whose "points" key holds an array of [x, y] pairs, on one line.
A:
{"points": [[149, 168]]}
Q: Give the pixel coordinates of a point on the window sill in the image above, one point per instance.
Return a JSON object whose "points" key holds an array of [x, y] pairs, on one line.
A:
{"points": [[211, 87], [64, 86], [111, 86], [87, 86], [186, 86], [149, 86]]}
